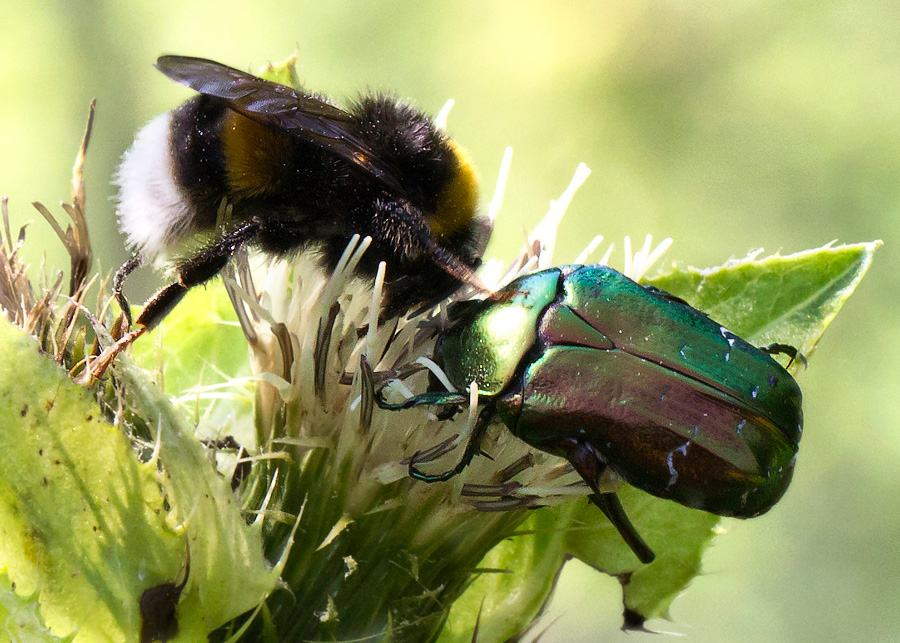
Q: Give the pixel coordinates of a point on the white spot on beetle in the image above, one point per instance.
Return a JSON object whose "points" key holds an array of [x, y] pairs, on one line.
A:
{"points": [[670, 463]]}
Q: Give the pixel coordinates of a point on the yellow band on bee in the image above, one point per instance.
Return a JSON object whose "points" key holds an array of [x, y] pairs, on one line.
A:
{"points": [[253, 155], [457, 203]]}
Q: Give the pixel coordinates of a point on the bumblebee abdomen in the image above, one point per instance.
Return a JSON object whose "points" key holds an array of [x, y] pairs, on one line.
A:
{"points": [[458, 200], [152, 209], [198, 159], [261, 170], [172, 179]]}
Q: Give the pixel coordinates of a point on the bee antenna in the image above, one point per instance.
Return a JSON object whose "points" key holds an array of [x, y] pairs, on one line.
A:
{"points": [[454, 266]]}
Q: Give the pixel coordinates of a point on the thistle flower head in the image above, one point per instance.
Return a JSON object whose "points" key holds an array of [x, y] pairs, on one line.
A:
{"points": [[334, 467]]}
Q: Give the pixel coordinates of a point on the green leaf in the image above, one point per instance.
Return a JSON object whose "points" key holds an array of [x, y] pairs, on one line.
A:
{"points": [[21, 616], [524, 568], [284, 72], [789, 299], [519, 574], [678, 536], [229, 572], [84, 525]]}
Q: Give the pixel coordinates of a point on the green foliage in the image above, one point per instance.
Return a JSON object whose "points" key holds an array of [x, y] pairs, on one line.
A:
{"points": [[21, 615], [790, 300], [84, 527]]}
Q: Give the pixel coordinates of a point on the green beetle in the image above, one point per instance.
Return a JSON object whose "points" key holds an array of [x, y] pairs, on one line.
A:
{"points": [[584, 363]]}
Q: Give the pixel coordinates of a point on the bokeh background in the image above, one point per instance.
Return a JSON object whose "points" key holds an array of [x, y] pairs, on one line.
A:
{"points": [[729, 128]]}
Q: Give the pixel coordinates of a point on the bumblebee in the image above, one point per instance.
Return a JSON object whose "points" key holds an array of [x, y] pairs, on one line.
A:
{"points": [[300, 174]]}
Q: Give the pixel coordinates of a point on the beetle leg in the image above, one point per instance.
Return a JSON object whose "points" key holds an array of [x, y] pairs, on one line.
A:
{"points": [[784, 349], [473, 448], [448, 413], [424, 399], [590, 468], [610, 505]]}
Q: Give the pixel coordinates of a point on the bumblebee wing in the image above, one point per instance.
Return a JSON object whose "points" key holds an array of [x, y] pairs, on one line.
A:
{"points": [[282, 107]]}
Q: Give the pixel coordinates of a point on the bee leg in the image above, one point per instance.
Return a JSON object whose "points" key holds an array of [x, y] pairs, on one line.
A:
{"points": [[454, 266], [202, 267], [196, 270], [119, 283], [401, 226]]}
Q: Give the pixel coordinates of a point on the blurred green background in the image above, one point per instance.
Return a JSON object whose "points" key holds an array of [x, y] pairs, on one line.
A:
{"points": [[728, 128]]}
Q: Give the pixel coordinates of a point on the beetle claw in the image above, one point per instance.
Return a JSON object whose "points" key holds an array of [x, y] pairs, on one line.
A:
{"points": [[473, 448], [785, 349]]}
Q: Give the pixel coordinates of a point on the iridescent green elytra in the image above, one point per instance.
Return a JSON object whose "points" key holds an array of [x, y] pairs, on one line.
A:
{"points": [[584, 363]]}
